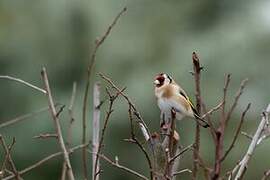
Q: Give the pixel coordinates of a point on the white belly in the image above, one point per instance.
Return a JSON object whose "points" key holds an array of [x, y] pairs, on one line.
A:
{"points": [[165, 105]]}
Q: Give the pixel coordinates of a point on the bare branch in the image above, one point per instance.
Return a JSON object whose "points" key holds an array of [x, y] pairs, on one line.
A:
{"points": [[117, 165], [89, 70], [220, 132], [233, 171], [252, 146], [136, 141], [182, 171], [246, 135], [266, 175], [212, 110], [60, 110], [225, 89], [197, 71], [10, 160], [44, 160], [57, 124], [237, 96], [23, 117], [212, 127], [144, 128], [236, 133], [64, 171], [7, 150], [23, 82], [205, 168], [95, 128], [69, 133], [45, 136], [181, 152], [70, 112], [108, 115]]}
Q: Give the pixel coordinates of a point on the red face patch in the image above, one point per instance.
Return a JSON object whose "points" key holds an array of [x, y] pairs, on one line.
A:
{"points": [[160, 79]]}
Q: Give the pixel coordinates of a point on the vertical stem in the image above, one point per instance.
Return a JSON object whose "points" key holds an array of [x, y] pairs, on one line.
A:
{"points": [[197, 69], [95, 128], [220, 132], [57, 124], [69, 133], [98, 43]]}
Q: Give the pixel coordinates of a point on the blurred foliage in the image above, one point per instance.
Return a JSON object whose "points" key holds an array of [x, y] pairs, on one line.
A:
{"points": [[152, 37]]}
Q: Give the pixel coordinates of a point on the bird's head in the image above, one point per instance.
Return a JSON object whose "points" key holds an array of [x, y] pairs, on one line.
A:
{"points": [[162, 79]]}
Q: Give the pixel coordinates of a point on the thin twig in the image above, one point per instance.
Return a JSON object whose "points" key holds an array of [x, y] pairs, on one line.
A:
{"points": [[117, 165], [233, 171], [211, 126], [266, 175], [108, 115], [57, 124], [45, 136], [181, 152], [136, 141], [85, 99], [253, 144], [212, 110], [246, 135], [237, 96], [69, 133], [182, 171], [225, 89], [60, 110], [71, 114], [8, 157], [23, 82], [23, 117], [220, 131], [205, 168], [44, 160], [10, 160], [236, 133], [144, 128]]}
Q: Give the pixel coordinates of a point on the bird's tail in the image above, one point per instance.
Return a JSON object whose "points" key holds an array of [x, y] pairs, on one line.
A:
{"points": [[197, 116], [205, 124]]}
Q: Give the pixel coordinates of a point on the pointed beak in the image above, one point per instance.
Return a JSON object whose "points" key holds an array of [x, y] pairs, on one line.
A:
{"points": [[156, 82]]}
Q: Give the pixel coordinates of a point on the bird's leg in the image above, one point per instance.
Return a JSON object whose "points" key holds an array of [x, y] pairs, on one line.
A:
{"points": [[173, 113], [164, 124], [162, 119]]}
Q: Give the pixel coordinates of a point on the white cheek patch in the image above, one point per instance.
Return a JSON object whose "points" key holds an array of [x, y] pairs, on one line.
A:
{"points": [[156, 82]]}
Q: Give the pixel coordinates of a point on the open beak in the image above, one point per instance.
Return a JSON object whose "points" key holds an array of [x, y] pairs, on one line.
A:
{"points": [[156, 82]]}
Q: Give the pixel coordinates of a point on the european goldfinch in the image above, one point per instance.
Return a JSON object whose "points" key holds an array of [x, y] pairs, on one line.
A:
{"points": [[170, 96]]}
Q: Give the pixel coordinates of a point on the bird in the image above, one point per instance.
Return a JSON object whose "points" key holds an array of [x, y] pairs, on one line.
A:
{"points": [[170, 96]]}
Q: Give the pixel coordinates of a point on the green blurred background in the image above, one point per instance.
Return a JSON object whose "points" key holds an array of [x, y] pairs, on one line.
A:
{"points": [[153, 36]]}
